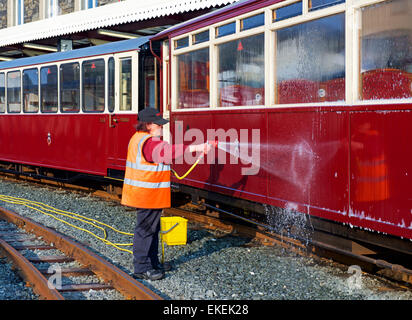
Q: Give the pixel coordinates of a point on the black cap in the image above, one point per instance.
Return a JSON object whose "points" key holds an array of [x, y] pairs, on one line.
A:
{"points": [[151, 115]]}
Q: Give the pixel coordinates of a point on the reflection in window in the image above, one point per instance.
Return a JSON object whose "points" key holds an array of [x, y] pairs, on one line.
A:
{"points": [[14, 91], [287, 12], [70, 87], [31, 90], [320, 4], [3, 14], [65, 6], [125, 84], [110, 102], [226, 29], [252, 22], [2, 93], [193, 79], [31, 10], [310, 61], [93, 85], [149, 87], [386, 53], [241, 77], [48, 89]]}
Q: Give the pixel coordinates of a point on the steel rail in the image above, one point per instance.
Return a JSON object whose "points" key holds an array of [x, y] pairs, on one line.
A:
{"points": [[121, 281]]}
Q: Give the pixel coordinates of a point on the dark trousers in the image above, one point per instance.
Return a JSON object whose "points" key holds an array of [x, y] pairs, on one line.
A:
{"points": [[146, 240]]}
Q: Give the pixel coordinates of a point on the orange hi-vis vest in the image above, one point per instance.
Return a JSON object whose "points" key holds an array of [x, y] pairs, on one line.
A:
{"points": [[146, 185]]}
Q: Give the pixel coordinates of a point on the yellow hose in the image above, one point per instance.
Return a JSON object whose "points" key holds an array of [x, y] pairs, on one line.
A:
{"points": [[44, 208], [188, 171]]}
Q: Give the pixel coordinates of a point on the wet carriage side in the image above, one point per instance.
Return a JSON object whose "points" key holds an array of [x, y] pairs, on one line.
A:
{"points": [[328, 87]]}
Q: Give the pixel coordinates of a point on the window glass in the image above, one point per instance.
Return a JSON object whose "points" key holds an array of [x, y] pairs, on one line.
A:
{"points": [[201, 37], [252, 22], [14, 91], [70, 87], [125, 84], [48, 89], [181, 43], [31, 90], [2, 93], [66, 6], [31, 10], [3, 14], [287, 12], [226, 29], [310, 61], [386, 51], [193, 79], [320, 4], [93, 85], [241, 72], [149, 85], [110, 102]]}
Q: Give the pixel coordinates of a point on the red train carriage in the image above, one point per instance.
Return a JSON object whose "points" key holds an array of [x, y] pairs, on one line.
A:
{"points": [[325, 89], [74, 111]]}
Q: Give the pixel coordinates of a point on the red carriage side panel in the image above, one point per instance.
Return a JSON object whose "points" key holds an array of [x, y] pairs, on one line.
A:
{"points": [[380, 184], [307, 162]]}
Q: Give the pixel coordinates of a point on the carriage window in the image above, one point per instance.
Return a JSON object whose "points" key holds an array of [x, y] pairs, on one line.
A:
{"points": [[320, 4], [241, 77], [252, 22], [310, 61], [2, 93], [110, 102], [14, 92], [31, 90], [287, 12], [193, 79], [70, 87], [149, 87], [182, 43], [93, 88], [386, 54], [226, 29], [48, 89], [201, 37], [125, 84]]}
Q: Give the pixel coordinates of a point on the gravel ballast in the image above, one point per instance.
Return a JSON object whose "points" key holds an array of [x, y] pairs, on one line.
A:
{"points": [[213, 265]]}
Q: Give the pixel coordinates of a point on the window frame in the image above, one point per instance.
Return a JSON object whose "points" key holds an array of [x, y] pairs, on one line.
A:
{"points": [[7, 94], [38, 90], [41, 67], [82, 105], [60, 86]]}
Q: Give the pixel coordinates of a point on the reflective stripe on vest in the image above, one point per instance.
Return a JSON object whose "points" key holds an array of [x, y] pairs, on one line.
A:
{"points": [[146, 185]]}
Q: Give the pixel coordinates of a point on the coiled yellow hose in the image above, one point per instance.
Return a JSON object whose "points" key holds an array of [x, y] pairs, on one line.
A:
{"points": [[48, 210]]}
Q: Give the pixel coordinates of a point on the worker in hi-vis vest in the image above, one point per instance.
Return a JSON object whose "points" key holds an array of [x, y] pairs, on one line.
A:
{"points": [[147, 187]]}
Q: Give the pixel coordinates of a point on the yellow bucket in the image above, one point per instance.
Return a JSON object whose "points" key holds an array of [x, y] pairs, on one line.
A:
{"points": [[173, 230]]}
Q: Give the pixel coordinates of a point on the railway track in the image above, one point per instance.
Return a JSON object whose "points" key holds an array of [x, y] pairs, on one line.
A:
{"points": [[320, 244], [15, 233]]}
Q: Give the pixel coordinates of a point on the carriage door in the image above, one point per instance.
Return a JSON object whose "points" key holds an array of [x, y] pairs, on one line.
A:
{"points": [[122, 106]]}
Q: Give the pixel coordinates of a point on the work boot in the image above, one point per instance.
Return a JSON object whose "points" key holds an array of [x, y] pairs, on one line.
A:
{"points": [[149, 275], [164, 266]]}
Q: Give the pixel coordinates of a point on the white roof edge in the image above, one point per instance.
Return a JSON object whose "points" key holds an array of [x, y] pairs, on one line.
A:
{"points": [[101, 17]]}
